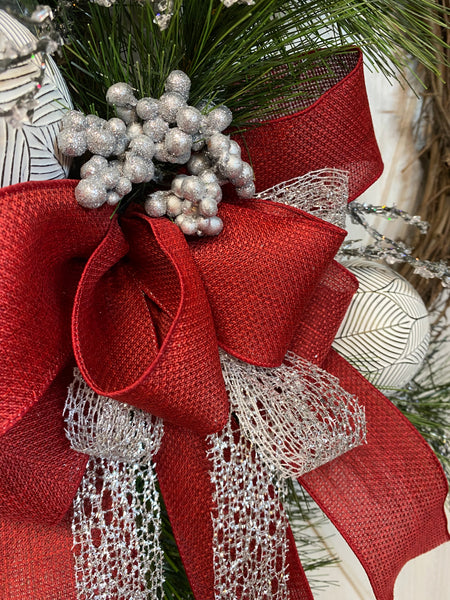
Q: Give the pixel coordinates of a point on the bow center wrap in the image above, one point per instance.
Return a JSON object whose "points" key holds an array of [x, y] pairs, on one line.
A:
{"points": [[260, 274]]}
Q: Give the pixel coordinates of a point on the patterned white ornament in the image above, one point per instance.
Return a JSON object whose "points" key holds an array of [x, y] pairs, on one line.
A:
{"points": [[28, 148], [386, 330]]}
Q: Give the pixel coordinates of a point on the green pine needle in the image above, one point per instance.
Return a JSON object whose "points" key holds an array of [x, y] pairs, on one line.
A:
{"points": [[229, 52]]}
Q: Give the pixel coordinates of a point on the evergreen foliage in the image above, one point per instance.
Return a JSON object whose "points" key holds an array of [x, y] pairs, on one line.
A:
{"points": [[229, 53]]}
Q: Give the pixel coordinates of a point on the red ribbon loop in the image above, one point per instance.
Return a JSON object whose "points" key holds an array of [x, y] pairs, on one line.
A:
{"points": [[327, 125], [140, 313], [260, 273]]}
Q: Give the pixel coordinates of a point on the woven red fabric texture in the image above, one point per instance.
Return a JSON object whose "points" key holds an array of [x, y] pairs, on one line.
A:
{"points": [[36, 561], [41, 260], [261, 272], [322, 316], [386, 497], [329, 126]]}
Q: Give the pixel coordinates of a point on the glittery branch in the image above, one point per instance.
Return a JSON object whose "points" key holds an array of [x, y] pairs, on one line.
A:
{"points": [[389, 250]]}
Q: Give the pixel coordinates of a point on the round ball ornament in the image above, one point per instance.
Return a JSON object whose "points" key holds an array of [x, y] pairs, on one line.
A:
{"points": [[28, 149], [386, 330]]}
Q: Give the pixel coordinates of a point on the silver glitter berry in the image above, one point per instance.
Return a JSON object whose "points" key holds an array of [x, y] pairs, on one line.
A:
{"points": [[147, 108], [220, 118], [213, 191], [178, 81], [74, 119], [161, 153], [180, 160], [188, 208], [116, 126], [93, 166], [189, 119], [177, 184], [177, 142], [110, 177], [193, 188], [230, 165], [133, 130], [198, 163], [188, 225], [247, 191], [121, 94], [71, 142], [174, 205], [124, 186], [94, 121], [218, 144], [138, 170], [205, 129], [207, 207], [120, 144], [90, 193], [234, 148], [198, 142], [169, 105], [208, 177], [245, 177], [113, 198], [143, 146], [156, 204], [128, 115], [100, 141], [156, 129], [211, 225]]}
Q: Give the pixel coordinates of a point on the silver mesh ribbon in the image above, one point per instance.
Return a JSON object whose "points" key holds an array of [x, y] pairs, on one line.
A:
{"points": [[249, 522], [296, 415], [116, 514], [292, 419], [323, 193]]}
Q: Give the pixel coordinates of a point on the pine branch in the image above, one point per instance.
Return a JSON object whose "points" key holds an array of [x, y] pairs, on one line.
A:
{"points": [[229, 52]]}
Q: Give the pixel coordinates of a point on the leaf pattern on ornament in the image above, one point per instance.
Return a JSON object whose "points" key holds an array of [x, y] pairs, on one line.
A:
{"points": [[30, 152]]}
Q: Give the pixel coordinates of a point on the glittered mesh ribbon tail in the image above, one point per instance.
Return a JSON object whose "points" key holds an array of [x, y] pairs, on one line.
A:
{"points": [[116, 519]]}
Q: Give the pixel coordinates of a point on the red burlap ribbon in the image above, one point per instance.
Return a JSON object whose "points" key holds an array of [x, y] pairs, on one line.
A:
{"points": [[144, 312]]}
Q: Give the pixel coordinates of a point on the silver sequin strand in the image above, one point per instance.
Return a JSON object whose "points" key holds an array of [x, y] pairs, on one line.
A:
{"points": [[116, 513]]}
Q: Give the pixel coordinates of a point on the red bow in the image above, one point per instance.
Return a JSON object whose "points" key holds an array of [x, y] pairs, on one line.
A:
{"points": [[148, 312]]}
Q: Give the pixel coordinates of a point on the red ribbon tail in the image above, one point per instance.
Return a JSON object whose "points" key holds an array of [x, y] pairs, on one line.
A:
{"points": [[386, 497]]}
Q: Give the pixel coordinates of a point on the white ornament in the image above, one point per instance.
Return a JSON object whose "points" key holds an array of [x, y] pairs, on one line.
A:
{"points": [[386, 330], [28, 148]]}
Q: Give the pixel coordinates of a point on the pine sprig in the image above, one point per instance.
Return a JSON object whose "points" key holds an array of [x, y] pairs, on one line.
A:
{"points": [[230, 52]]}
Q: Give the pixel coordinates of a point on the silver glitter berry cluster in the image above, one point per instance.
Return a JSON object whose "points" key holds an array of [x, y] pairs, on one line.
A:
{"points": [[132, 147]]}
